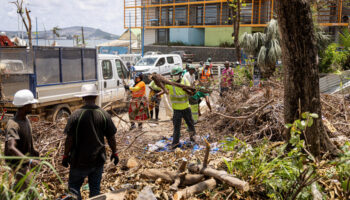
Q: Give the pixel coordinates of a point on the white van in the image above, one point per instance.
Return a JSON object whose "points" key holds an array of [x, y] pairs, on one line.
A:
{"points": [[161, 64]]}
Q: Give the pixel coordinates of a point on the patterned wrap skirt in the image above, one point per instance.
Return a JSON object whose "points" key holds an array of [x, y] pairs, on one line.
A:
{"points": [[138, 109]]}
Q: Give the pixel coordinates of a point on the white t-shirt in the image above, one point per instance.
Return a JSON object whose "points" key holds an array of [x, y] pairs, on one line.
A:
{"points": [[189, 77]]}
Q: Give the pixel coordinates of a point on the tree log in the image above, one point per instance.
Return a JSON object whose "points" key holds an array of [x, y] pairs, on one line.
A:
{"points": [[220, 175], [160, 81], [170, 176], [180, 177], [195, 189]]}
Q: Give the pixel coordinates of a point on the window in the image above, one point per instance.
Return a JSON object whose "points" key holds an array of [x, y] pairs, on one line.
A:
{"points": [[210, 14], [180, 16], [89, 64], [71, 65], [161, 62], [146, 62], [47, 66], [162, 36], [107, 70], [170, 59], [122, 72]]}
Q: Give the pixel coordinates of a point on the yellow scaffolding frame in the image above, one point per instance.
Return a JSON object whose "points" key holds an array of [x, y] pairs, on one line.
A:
{"points": [[257, 18]]}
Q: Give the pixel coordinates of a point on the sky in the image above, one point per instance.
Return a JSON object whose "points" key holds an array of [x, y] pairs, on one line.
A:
{"points": [[106, 15]]}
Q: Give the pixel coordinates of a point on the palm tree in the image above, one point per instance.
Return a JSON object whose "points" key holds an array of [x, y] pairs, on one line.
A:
{"points": [[55, 33], [264, 46]]}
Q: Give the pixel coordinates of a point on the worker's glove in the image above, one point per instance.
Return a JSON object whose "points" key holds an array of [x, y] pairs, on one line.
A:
{"points": [[65, 161], [126, 87], [115, 157]]}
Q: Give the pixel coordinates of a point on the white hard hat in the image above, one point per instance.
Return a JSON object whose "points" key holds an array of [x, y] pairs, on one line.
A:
{"points": [[3, 33], [88, 90], [23, 97]]}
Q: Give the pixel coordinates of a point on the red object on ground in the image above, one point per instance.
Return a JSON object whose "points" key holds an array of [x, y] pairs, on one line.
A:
{"points": [[5, 42]]}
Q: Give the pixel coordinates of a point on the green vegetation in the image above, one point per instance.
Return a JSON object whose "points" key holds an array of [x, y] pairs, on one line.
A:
{"points": [[287, 171], [10, 188], [336, 56]]}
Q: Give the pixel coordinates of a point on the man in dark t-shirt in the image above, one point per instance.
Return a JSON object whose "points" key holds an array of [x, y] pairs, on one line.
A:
{"points": [[19, 141], [85, 147]]}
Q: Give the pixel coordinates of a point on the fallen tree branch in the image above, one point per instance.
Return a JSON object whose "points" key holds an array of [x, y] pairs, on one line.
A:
{"points": [[195, 189], [132, 141], [180, 176], [114, 113], [247, 116], [206, 155], [220, 175], [160, 81]]}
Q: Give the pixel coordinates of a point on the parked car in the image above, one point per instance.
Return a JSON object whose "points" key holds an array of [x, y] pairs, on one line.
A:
{"points": [[58, 76], [185, 55], [150, 53], [161, 64]]}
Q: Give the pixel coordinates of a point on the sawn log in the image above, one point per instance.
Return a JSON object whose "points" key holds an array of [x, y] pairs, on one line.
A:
{"points": [[195, 189], [220, 175], [170, 176]]}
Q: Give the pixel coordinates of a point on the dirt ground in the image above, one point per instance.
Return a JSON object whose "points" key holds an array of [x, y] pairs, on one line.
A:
{"points": [[132, 145]]}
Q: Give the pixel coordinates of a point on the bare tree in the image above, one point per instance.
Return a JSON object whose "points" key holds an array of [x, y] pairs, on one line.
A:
{"points": [[25, 18], [301, 80]]}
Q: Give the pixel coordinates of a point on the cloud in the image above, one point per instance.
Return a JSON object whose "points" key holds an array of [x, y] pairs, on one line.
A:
{"points": [[106, 15]]}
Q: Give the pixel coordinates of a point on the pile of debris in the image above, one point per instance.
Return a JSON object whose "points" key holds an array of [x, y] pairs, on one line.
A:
{"points": [[252, 114]]}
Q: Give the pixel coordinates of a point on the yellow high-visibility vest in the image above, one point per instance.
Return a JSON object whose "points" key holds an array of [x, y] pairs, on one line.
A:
{"points": [[178, 97]]}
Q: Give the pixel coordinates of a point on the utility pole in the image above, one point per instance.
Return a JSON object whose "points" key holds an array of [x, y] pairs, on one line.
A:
{"points": [[82, 35], [130, 49], [143, 29], [37, 33]]}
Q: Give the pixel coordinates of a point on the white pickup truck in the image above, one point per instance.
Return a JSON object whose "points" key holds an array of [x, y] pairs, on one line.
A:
{"points": [[55, 75]]}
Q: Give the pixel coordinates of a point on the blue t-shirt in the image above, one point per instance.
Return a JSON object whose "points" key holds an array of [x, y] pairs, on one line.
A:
{"points": [[132, 72]]}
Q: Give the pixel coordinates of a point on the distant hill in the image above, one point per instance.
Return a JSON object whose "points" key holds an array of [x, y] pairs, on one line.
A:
{"points": [[69, 32]]}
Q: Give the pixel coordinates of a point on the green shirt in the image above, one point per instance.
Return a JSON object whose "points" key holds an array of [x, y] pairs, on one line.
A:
{"points": [[199, 95]]}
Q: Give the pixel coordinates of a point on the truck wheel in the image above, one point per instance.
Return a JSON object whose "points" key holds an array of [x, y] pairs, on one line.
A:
{"points": [[62, 115]]}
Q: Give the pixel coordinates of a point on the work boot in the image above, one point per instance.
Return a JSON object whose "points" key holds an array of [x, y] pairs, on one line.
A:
{"points": [[192, 134]]}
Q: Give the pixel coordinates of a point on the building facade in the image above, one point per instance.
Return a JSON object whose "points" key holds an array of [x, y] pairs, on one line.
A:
{"points": [[208, 22]]}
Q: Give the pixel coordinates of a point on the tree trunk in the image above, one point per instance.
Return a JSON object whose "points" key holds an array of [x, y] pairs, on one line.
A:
{"points": [[29, 28], [236, 16], [301, 80]]}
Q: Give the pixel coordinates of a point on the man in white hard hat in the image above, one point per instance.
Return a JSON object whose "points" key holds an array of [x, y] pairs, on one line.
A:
{"points": [[19, 140], [85, 145]]}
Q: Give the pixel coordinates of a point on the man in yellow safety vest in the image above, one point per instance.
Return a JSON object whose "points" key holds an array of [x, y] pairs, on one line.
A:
{"points": [[181, 107]]}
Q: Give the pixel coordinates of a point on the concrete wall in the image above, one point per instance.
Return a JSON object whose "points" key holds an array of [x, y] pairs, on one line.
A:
{"points": [[189, 36], [216, 36], [150, 36], [201, 53]]}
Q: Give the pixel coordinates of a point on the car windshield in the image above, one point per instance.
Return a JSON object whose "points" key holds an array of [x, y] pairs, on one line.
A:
{"points": [[146, 62]]}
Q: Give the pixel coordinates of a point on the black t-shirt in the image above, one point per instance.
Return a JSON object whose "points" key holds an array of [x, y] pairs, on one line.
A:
{"points": [[88, 126]]}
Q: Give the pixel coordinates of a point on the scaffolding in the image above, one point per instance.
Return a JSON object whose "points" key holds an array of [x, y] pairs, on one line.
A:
{"points": [[160, 14]]}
